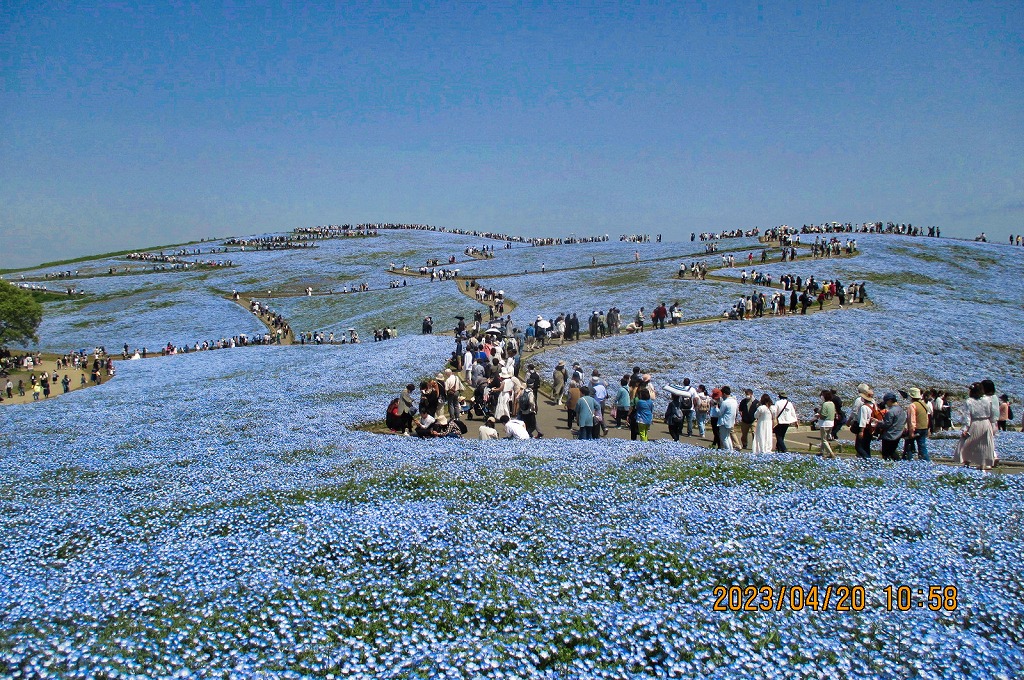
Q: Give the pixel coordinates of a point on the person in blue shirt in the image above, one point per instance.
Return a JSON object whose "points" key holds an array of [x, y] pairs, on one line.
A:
{"points": [[621, 403], [727, 411], [644, 412]]}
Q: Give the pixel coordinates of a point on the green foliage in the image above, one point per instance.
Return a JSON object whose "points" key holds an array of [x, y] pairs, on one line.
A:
{"points": [[20, 315]]}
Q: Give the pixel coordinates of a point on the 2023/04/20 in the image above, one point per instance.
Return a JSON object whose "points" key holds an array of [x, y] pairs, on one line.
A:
{"points": [[833, 597]]}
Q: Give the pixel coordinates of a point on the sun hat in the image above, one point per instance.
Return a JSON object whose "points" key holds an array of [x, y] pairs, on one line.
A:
{"points": [[863, 389], [560, 364], [914, 392]]}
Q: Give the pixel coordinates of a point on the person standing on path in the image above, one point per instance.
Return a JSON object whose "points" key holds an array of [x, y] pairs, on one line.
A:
{"points": [[727, 419], [687, 400], [622, 402], [826, 419], [599, 391], [785, 417], [917, 427], [861, 414], [453, 390], [713, 412], [701, 406], [644, 413], [559, 382], [761, 442], [585, 409], [572, 399], [894, 422], [748, 416], [976, 446], [674, 417], [533, 384], [528, 412]]}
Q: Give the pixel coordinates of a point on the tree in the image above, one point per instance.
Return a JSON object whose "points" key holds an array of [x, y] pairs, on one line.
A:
{"points": [[20, 315]]}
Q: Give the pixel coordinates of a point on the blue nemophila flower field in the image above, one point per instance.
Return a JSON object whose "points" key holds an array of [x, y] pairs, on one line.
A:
{"points": [[218, 514]]}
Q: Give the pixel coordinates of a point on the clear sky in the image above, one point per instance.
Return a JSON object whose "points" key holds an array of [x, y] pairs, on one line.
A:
{"points": [[125, 126]]}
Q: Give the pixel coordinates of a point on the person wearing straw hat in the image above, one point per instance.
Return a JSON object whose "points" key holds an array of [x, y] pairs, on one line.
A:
{"points": [[861, 413], [559, 382], [917, 427]]}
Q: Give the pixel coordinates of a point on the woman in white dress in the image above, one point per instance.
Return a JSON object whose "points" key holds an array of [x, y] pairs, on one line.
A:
{"points": [[763, 426], [976, 446]]}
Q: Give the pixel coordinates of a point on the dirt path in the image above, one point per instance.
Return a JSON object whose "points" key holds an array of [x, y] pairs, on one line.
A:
{"points": [[286, 338], [48, 364]]}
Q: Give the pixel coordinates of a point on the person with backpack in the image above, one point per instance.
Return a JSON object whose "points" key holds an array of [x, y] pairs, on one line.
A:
{"points": [[528, 412], [840, 418], [892, 426], [452, 391], [674, 417], [917, 427], [701, 407], [686, 401], [826, 419], [622, 402], [533, 384]]}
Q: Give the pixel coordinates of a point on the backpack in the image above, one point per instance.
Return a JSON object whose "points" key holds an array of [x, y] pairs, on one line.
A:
{"points": [[524, 401], [686, 402], [676, 416]]}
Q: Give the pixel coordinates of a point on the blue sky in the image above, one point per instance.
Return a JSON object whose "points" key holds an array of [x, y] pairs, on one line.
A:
{"points": [[130, 127]]}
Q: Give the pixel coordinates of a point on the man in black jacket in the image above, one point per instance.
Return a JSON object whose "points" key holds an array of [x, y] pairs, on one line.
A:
{"points": [[748, 407]]}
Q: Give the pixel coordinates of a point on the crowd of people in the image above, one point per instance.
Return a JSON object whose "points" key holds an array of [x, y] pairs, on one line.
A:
{"points": [[334, 231], [727, 233], [258, 243], [349, 337], [281, 331], [781, 232], [482, 378]]}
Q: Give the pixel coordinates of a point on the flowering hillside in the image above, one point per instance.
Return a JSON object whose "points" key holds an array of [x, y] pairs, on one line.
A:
{"points": [[219, 514]]}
